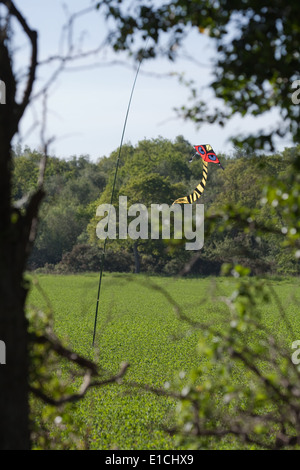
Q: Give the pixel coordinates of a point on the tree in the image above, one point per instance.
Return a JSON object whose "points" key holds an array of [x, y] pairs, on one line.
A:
{"points": [[256, 60], [155, 171], [17, 234], [22, 373]]}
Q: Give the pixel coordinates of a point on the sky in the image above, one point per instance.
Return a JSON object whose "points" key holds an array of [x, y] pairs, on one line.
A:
{"points": [[87, 102]]}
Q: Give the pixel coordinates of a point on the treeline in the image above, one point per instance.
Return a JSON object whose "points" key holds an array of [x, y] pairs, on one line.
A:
{"points": [[154, 171]]}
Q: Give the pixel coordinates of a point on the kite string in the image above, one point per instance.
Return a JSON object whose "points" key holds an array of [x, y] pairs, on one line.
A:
{"points": [[112, 197]]}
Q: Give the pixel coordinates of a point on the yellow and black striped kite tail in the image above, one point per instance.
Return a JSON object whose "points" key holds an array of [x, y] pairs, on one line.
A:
{"points": [[198, 191]]}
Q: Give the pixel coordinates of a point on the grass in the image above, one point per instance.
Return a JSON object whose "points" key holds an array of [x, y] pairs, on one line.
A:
{"points": [[139, 322]]}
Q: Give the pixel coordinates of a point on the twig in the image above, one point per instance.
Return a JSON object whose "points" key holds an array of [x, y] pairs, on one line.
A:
{"points": [[86, 385], [32, 36]]}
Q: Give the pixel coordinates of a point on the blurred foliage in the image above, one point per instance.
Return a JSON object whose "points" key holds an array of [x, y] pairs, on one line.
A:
{"points": [[52, 427], [218, 410], [214, 407], [58, 378], [255, 63]]}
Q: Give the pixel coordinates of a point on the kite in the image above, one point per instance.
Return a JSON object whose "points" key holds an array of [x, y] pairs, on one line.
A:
{"points": [[208, 156]]}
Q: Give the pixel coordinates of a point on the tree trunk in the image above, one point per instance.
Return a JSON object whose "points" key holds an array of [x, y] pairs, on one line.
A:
{"points": [[16, 238], [136, 258], [14, 408]]}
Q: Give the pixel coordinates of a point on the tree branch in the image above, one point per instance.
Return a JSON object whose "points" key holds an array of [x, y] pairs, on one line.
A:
{"points": [[86, 385], [32, 36]]}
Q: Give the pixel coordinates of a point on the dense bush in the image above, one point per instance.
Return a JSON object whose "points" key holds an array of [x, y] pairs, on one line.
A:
{"points": [[87, 258]]}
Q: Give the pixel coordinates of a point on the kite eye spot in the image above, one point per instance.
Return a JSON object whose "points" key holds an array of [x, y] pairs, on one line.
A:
{"points": [[201, 150]]}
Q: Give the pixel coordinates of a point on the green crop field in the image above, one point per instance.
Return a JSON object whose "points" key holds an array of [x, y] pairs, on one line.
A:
{"points": [[143, 321]]}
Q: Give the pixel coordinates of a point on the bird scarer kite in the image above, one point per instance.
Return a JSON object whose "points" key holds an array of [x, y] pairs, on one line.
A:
{"points": [[208, 156]]}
